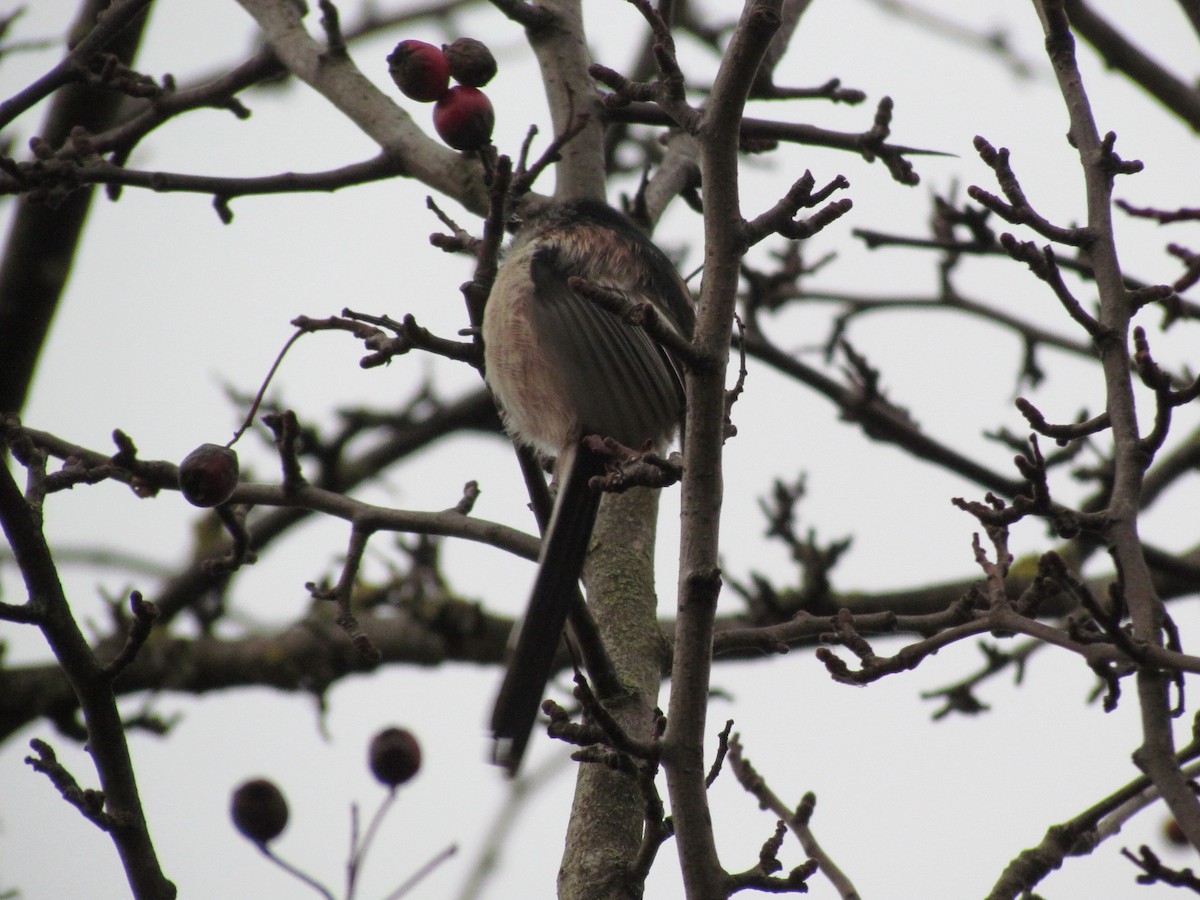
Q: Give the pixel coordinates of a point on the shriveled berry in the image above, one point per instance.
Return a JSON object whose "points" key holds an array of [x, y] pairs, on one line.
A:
{"points": [[463, 118], [259, 810], [208, 475], [394, 756], [420, 70], [471, 62]]}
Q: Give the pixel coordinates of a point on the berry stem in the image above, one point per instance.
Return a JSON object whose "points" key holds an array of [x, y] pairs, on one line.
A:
{"points": [[263, 390]]}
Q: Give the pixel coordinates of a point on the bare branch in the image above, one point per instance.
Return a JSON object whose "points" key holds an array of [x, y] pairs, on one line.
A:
{"points": [[71, 68], [797, 819], [1018, 210]]}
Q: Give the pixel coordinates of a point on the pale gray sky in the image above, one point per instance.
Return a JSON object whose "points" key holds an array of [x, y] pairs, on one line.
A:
{"points": [[167, 306]]}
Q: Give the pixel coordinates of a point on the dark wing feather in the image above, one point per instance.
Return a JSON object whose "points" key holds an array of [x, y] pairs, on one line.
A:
{"points": [[616, 376]]}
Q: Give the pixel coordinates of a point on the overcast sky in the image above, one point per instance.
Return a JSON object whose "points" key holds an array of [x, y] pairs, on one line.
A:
{"points": [[168, 307]]}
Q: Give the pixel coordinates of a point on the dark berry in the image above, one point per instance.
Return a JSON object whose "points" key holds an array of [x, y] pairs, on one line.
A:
{"points": [[1174, 833], [259, 810], [394, 756], [464, 118], [420, 70], [208, 475], [471, 62]]}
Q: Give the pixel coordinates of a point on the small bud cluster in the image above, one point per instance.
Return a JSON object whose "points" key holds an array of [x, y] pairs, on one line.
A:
{"points": [[462, 115]]}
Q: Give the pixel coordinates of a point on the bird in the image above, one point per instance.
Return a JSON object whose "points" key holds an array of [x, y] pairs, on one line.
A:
{"points": [[562, 368]]}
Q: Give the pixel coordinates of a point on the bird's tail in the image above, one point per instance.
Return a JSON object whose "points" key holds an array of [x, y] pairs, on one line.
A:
{"points": [[531, 656]]}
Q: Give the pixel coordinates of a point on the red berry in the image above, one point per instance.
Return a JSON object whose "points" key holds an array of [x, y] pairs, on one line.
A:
{"points": [[463, 118], [420, 70], [471, 62], [259, 810], [394, 756], [208, 475]]}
